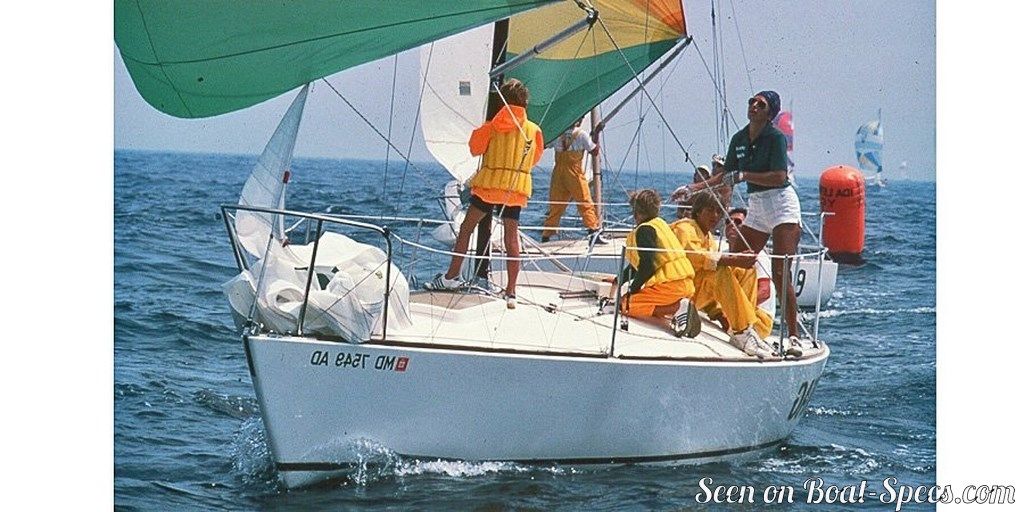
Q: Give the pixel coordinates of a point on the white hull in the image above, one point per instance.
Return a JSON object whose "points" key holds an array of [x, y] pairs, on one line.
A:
{"points": [[472, 404]]}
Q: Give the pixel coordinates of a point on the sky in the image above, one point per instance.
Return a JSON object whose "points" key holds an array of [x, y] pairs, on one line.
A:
{"points": [[836, 63]]}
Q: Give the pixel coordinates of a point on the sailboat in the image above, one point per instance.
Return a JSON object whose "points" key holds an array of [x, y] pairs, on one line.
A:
{"points": [[346, 360], [868, 146]]}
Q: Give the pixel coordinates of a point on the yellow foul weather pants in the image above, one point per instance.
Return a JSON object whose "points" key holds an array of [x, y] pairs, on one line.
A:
{"points": [[734, 290], [569, 183]]}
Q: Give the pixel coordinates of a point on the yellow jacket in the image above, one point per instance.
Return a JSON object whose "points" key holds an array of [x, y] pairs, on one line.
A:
{"points": [[507, 161], [703, 250], [668, 266]]}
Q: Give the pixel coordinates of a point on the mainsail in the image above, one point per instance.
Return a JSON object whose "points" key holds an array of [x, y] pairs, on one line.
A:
{"points": [[200, 58], [454, 97], [265, 186], [868, 145]]}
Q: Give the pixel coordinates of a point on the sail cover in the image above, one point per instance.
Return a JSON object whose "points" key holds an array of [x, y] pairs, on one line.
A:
{"points": [[578, 73], [265, 186], [868, 145], [454, 101], [200, 58]]}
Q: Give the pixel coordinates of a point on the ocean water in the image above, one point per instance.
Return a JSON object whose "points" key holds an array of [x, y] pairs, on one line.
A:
{"points": [[187, 430]]}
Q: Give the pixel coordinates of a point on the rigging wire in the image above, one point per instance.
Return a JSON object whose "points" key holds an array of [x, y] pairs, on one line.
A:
{"points": [[743, 53], [387, 151], [643, 89], [374, 128]]}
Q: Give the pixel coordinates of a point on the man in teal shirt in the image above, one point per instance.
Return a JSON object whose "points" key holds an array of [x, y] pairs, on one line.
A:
{"points": [[757, 155]]}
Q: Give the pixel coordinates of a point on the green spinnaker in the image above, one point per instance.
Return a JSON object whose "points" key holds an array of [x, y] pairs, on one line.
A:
{"points": [[201, 58]]}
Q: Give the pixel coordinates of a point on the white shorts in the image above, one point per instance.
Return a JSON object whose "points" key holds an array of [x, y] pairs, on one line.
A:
{"points": [[769, 208]]}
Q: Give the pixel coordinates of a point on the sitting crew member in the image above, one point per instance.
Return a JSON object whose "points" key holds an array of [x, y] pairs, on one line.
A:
{"points": [[569, 182], [662, 280], [701, 174], [511, 145], [726, 285], [736, 244]]}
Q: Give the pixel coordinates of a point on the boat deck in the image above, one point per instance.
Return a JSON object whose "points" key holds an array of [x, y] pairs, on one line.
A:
{"points": [[545, 322]]}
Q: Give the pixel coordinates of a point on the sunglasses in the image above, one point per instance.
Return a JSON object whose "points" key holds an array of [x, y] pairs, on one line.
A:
{"points": [[757, 102], [735, 222]]}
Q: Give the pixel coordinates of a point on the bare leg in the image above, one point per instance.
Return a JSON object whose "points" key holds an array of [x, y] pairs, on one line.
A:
{"points": [[756, 240], [473, 216], [512, 250], [786, 239]]}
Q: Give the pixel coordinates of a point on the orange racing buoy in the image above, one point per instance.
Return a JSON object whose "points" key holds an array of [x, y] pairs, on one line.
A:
{"points": [[841, 191]]}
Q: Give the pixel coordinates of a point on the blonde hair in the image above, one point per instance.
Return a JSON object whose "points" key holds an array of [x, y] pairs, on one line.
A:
{"points": [[646, 203], [515, 92]]}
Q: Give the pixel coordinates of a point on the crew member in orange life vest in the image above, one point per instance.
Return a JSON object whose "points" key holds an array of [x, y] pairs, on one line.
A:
{"points": [[511, 145], [662, 280]]}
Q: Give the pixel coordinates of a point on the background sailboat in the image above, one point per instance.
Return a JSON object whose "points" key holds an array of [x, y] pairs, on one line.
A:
{"points": [[868, 145], [784, 122]]}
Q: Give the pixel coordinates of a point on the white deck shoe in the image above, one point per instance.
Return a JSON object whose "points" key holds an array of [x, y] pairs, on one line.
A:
{"points": [[750, 343], [443, 283], [794, 347]]}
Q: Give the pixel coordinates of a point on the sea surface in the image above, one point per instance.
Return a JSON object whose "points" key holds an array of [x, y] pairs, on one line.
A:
{"points": [[187, 428]]}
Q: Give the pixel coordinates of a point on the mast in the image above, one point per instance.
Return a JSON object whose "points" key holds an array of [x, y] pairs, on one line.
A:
{"points": [[482, 267], [595, 159]]}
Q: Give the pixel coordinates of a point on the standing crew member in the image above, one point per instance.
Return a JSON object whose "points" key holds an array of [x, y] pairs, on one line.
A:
{"points": [[569, 182], [662, 280], [511, 145], [757, 155]]}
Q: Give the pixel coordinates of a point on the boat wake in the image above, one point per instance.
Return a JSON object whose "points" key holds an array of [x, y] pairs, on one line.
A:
{"points": [[250, 454], [238, 407], [872, 311], [800, 460]]}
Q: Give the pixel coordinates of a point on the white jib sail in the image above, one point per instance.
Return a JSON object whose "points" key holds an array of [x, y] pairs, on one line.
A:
{"points": [[454, 100], [265, 186]]}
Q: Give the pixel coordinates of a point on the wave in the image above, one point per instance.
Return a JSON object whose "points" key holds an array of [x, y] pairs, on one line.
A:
{"points": [[832, 313]]}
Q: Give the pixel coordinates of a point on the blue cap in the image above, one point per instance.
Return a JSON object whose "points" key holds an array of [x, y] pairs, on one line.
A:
{"points": [[774, 103]]}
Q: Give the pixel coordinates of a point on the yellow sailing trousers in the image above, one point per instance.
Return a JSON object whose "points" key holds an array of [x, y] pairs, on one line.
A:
{"points": [[569, 182], [734, 290], [643, 302]]}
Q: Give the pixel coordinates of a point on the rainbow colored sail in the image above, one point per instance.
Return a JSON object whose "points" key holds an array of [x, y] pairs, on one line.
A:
{"points": [[578, 73], [201, 58]]}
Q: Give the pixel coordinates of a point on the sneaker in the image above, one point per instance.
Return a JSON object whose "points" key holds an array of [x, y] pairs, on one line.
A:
{"points": [[510, 301], [485, 285], [606, 306], [750, 343], [596, 238], [443, 283], [687, 321], [796, 347], [545, 239]]}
